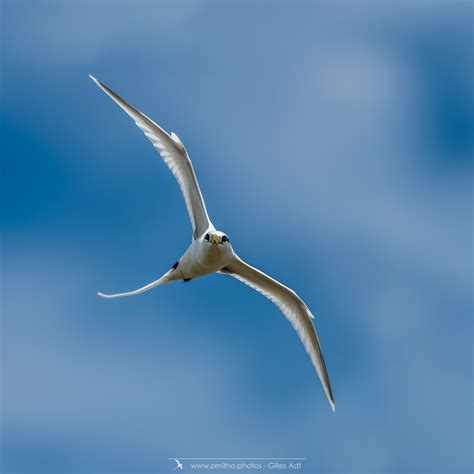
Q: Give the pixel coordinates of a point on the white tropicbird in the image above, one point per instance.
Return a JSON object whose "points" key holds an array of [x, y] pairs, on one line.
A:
{"points": [[211, 251]]}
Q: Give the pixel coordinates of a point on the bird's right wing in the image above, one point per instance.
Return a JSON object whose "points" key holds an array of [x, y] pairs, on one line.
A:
{"points": [[175, 156], [293, 307]]}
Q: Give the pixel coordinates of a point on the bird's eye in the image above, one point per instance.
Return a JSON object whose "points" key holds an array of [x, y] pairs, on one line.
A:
{"points": [[207, 237], [225, 238]]}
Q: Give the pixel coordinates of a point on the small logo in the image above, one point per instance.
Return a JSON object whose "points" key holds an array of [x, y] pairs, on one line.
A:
{"points": [[179, 465]]}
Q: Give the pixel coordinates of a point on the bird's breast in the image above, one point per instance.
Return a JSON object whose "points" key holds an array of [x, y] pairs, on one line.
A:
{"points": [[215, 256], [202, 259]]}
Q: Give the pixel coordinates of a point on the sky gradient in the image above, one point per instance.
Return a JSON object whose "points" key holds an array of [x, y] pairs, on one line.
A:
{"points": [[332, 142]]}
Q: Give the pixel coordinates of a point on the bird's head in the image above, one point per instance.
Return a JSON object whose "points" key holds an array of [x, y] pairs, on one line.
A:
{"points": [[216, 237]]}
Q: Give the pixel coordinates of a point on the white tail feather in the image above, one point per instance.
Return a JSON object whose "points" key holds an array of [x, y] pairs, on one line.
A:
{"points": [[164, 279]]}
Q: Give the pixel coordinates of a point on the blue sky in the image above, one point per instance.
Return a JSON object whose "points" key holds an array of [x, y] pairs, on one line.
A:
{"points": [[332, 142]]}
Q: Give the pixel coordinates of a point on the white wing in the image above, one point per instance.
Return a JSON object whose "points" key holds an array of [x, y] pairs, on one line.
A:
{"points": [[292, 307], [175, 156]]}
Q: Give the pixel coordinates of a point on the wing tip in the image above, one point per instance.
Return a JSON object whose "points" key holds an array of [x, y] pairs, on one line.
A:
{"points": [[329, 396], [99, 84]]}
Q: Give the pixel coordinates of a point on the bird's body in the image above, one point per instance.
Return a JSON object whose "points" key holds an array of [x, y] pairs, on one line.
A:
{"points": [[211, 250], [202, 258]]}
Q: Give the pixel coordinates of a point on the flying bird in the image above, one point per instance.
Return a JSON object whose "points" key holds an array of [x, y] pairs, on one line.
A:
{"points": [[211, 250], [179, 465]]}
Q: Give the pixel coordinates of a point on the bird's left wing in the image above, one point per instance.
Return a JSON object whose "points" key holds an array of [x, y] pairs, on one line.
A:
{"points": [[293, 307], [177, 159]]}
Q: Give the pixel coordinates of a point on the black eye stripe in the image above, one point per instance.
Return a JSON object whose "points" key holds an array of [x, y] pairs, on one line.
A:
{"points": [[223, 239]]}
